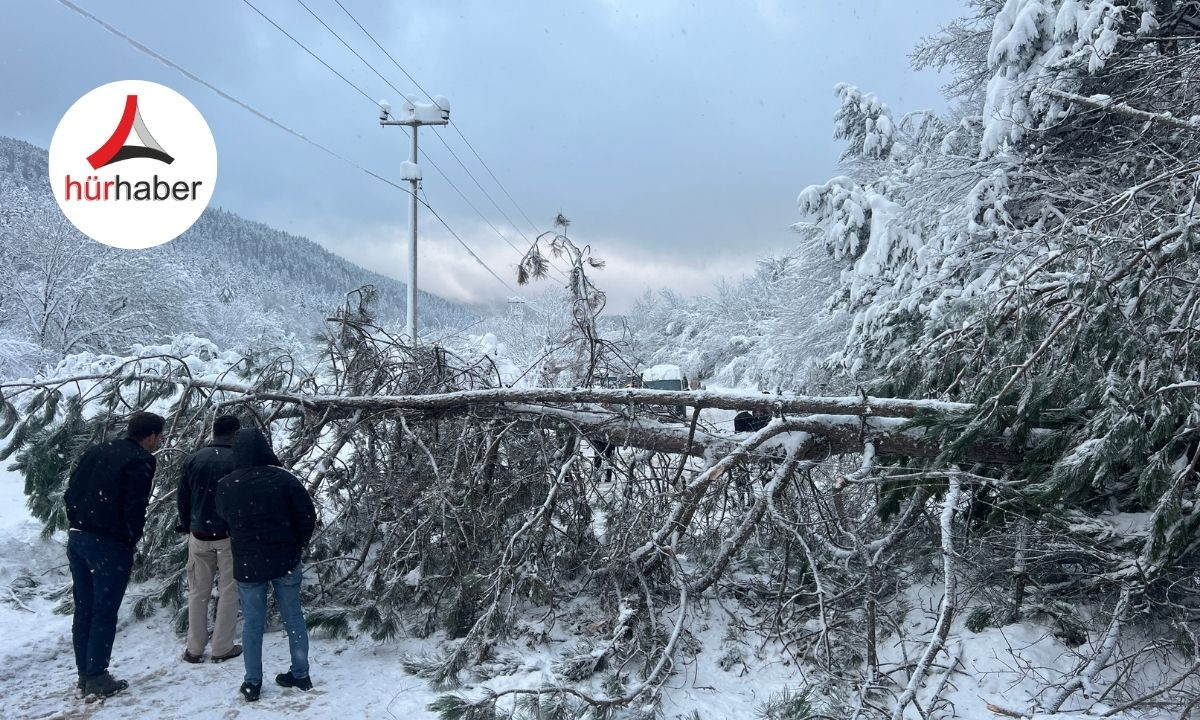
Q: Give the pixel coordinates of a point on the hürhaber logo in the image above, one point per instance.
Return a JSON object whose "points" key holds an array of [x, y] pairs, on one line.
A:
{"points": [[133, 164]]}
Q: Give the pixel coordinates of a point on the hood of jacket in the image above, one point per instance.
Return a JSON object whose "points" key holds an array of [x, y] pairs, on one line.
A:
{"points": [[251, 449]]}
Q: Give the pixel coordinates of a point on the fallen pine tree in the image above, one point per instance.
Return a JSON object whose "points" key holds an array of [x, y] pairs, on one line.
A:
{"points": [[453, 507]]}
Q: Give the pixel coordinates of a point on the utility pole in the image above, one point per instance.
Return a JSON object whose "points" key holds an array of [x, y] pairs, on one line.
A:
{"points": [[414, 115]]}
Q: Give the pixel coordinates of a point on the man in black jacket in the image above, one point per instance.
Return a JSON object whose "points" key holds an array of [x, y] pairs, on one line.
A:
{"points": [[271, 518], [747, 421], [208, 545], [106, 501]]}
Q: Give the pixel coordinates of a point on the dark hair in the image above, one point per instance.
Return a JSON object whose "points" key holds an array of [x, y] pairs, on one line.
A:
{"points": [[142, 425], [226, 425]]}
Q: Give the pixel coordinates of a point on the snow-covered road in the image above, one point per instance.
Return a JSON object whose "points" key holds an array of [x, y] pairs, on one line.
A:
{"points": [[354, 679]]}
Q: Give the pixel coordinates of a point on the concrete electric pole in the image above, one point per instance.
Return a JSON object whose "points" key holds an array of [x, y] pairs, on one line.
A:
{"points": [[414, 114]]}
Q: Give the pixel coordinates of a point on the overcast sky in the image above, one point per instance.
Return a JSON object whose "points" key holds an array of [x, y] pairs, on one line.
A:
{"points": [[674, 135]]}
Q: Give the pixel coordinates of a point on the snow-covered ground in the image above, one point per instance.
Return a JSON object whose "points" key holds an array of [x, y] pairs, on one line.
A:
{"points": [[363, 679], [353, 678]]}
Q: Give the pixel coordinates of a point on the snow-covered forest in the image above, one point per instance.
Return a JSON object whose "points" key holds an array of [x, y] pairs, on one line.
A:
{"points": [[977, 495], [236, 282]]}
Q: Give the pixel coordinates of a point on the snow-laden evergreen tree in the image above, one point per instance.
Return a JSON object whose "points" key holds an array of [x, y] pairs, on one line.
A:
{"points": [[1037, 257]]}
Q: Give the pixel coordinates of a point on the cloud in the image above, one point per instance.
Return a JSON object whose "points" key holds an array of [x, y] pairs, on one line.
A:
{"points": [[446, 269], [630, 271], [700, 124]]}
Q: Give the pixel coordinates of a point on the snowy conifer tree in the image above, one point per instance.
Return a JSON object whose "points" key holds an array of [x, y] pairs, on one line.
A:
{"points": [[1037, 258]]}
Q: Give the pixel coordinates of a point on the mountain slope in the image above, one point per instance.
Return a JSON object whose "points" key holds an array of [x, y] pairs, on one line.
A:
{"points": [[232, 279]]}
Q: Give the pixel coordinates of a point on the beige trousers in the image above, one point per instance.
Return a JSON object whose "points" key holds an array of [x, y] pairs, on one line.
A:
{"points": [[207, 558]]}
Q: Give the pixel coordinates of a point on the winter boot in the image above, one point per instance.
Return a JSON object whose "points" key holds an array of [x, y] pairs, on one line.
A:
{"points": [[288, 680], [190, 658], [235, 652], [250, 690], [103, 685]]}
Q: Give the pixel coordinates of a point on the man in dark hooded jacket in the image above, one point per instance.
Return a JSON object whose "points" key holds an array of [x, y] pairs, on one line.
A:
{"points": [[747, 421], [106, 500], [271, 518]]}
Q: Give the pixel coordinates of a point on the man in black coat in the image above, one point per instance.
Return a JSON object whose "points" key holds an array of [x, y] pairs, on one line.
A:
{"points": [[106, 501], [209, 552], [271, 518], [747, 421]]}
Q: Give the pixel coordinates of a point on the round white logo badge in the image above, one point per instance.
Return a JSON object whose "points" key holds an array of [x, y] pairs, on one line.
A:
{"points": [[133, 164]]}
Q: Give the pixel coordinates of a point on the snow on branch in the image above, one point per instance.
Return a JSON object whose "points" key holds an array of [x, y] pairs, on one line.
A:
{"points": [[706, 399], [1085, 678], [949, 601], [839, 422], [1105, 103]]}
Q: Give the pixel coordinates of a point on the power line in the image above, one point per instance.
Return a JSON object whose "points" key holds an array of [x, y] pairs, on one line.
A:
{"points": [[461, 194], [310, 52], [398, 91], [471, 204], [348, 47], [499, 184], [489, 223], [377, 104], [395, 62], [471, 175], [464, 244], [412, 79], [245, 106], [142, 48]]}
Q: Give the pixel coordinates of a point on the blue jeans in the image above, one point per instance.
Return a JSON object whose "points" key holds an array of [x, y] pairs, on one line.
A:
{"points": [[253, 597], [100, 570]]}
